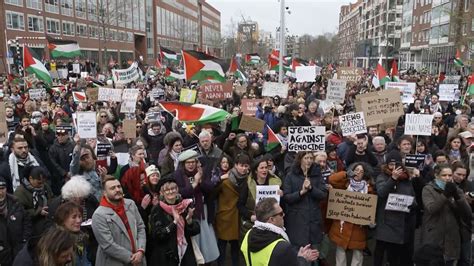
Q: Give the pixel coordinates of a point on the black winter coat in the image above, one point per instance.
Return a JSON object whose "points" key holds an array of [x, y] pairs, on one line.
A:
{"points": [[61, 156]]}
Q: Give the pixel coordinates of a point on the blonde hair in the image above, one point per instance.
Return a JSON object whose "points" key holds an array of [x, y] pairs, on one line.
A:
{"points": [[52, 244]]}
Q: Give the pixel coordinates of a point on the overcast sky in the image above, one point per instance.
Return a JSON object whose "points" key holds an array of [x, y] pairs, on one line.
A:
{"points": [[312, 17]]}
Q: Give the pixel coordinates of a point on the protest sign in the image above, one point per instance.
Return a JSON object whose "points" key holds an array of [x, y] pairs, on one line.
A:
{"points": [[124, 76], [92, 94], [447, 92], [153, 116], [103, 149], [399, 202], [84, 75], [380, 107], [307, 138], [352, 124], [3, 124], [37, 94], [318, 70], [129, 100], [418, 124], [187, 96], [249, 106], [305, 73], [336, 92], [67, 128], [407, 89], [349, 73], [414, 160], [217, 91], [109, 94], [76, 68], [275, 89], [251, 124], [87, 125], [62, 73], [129, 128], [353, 207], [264, 192], [451, 79], [157, 93]]}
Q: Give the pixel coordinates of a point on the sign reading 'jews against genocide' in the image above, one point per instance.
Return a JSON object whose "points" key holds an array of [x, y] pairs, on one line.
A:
{"points": [[352, 124], [353, 207], [267, 192], [87, 125], [271, 89], [349, 73], [309, 138], [380, 107], [418, 124], [447, 92], [336, 90], [407, 89]]}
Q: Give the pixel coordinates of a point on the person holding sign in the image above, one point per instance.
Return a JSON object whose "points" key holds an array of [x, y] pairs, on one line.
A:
{"points": [[303, 189], [445, 207]]}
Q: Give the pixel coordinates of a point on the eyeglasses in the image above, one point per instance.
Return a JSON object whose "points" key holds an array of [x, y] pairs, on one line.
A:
{"points": [[170, 190], [278, 214], [103, 116]]}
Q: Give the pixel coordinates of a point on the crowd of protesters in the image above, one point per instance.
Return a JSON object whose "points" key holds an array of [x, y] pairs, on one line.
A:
{"points": [[180, 194]]}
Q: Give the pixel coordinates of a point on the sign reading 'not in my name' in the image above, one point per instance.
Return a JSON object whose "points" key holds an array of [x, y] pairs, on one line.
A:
{"points": [[310, 138], [418, 124]]}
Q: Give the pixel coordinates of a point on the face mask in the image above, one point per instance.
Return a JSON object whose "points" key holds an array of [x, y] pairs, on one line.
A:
{"points": [[440, 183]]}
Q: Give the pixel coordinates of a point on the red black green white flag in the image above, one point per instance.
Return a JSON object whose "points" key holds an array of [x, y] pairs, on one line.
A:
{"points": [[168, 54], [201, 67], [63, 48], [35, 66], [457, 60], [273, 140], [194, 113]]}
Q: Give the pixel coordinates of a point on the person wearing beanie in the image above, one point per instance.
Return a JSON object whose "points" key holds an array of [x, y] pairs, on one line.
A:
{"points": [[15, 225]]}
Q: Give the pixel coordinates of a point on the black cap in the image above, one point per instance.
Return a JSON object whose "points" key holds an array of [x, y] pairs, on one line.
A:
{"points": [[393, 157], [164, 181], [3, 181]]}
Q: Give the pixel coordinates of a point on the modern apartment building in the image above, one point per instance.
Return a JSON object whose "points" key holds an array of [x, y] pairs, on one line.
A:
{"points": [[348, 35]]}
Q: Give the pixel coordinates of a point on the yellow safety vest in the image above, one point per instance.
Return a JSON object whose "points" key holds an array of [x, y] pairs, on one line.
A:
{"points": [[261, 258]]}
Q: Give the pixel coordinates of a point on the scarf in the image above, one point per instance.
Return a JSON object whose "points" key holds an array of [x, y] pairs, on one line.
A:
{"points": [[283, 139], [39, 194], [174, 156], [236, 178], [3, 208], [272, 228], [180, 238], [120, 211], [455, 154], [14, 162], [358, 186]]}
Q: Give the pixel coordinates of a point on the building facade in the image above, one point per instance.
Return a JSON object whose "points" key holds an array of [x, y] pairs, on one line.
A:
{"points": [[348, 34]]}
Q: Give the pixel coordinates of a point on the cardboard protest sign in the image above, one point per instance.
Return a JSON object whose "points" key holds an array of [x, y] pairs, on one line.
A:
{"points": [[217, 91], [414, 160], [380, 107], [418, 124], [129, 100], [308, 138], [124, 76], [3, 123], [275, 89], [37, 94], [352, 124], [336, 91], [103, 149], [249, 106], [109, 94], [305, 73], [264, 192], [353, 207], [399, 202], [187, 96], [447, 92], [129, 128], [407, 89], [87, 125], [251, 124], [92, 94], [349, 73]]}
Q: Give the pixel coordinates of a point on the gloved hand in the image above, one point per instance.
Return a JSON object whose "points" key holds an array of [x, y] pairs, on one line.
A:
{"points": [[451, 190]]}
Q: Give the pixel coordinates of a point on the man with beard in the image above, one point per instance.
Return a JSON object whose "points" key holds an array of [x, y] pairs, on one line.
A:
{"points": [[19, 158], [118, 228], [12, 120]]}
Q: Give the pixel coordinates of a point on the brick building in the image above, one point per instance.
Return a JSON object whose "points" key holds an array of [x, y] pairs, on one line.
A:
{"points": [[348, 35]]}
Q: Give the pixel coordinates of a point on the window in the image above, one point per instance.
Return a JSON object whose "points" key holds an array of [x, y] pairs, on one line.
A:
{"points": [[52, 26], [66, 7], [464, 28], [51, 6], [34, 4], [14, 2], [472, 24], [68, 28], [35, 24], [93, 32], [15, 21], [92, 10], [80, 8], [466, 5], [81, 30]]}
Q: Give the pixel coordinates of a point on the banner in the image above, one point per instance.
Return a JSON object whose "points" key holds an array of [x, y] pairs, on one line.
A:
{"points": [[187, 96], [353, 207], [447, 92], [307, 138], [124, 76], [352, 124], [270, 191], [87, 125], [129, 100], [349, 73], [336, 91], [305, 73], [408, 90], [418, 124], [109, 95], [271, 89], [249, 106], [380, 107], [217, 91], [251, 124]]}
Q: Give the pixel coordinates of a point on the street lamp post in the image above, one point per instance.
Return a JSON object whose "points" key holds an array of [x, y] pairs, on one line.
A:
{"points": [[282, 40]]}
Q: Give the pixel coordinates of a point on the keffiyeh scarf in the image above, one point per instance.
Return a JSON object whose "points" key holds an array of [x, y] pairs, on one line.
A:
{"points": [[14, 162], [273, 228]]}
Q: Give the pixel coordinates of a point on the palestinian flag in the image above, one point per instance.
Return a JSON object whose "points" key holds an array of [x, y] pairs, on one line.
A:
{"points": [[63, 48], [252, 58], [158, 63], [273, 140], [171, 74], [394, 71], [273, 59], [470, 85], [34, 66], [241, 75], [441, 77], [233, 65], [457, 60], [298, 62], [79, 96], [380, 75], [168, 54], [194, 113], [202, 67]]}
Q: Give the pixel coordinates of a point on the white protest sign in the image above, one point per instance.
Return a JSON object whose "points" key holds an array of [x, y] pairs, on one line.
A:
{"points": [[271, 89], [305, 73], [399, 202], [451, 79], [267, 192], [36, 94], [308, 138], [62, 73], [352, 124], [318, 70], [76, 68], [87, 125], [84, 75], [418, 124], [129, 100], [336, 92], [408, 90], [109, 94], [447, 92], [124, 76]]}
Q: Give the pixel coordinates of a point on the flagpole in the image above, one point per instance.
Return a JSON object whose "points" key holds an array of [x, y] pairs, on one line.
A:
{"points": [[282, 40]]}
